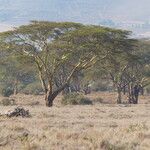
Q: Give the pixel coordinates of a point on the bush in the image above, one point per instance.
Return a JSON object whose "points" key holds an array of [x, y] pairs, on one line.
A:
{"points": [[33, 88], [98, 100], [7, 102], [6, 92], [75, 99]]}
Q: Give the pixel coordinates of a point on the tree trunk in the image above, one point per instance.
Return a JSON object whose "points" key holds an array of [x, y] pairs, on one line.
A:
{"points": [[130, 94], [124, 90], [15, 90], [50, 96], [136, 92], [119, 98], [142, 90], [136, 98]]}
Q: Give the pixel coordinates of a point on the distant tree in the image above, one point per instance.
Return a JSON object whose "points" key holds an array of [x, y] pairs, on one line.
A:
{"points": [[15, 71], [129, 71], [114, 66], [138, 73]]}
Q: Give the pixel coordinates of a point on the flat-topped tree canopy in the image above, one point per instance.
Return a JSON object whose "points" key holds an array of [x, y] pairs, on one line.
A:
{"points": [[39, 33], [47, 29], [100, 41]]}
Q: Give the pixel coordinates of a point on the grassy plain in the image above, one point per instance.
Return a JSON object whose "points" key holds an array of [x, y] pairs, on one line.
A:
{"points": [[101, 126]]}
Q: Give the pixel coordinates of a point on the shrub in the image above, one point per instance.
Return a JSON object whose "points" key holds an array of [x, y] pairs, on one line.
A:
{"points": [[33, 88], [98, 100], [6, 92], [75, 99], [7, 102]]}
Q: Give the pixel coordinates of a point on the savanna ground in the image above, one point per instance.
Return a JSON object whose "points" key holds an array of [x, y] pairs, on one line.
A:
{"points": [[105, 125]]}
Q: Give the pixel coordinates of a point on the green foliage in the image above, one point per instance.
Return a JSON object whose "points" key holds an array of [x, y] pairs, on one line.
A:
{"points": [[75, 99], [33, 88], [101, 85], [15, 71], [7, 91]]}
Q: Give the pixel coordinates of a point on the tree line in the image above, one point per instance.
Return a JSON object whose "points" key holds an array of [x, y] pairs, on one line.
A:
{"points": [[65, 56]]}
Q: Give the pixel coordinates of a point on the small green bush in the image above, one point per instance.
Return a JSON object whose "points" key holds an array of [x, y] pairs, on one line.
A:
{"points": [[75, 99], [6, 92]]}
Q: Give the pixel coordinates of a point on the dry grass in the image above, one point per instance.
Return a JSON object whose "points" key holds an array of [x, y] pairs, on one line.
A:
{"points": [[95, 127]]}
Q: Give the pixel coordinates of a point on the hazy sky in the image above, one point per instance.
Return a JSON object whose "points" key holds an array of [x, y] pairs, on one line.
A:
{"points": [[85, 11]]}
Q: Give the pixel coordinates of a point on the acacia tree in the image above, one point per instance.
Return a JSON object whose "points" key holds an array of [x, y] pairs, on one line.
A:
{"points": [[117, 62], [118, 70], [137, 73], [15, 72], [40, 42], [134, 77], [128, 70]]}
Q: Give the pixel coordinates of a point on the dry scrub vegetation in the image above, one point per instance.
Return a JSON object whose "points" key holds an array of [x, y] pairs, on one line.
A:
{"points": [[99, 126]]}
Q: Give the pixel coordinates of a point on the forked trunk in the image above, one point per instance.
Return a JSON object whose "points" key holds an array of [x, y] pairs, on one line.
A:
{"points": [[124, 90], [50, 96]]}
